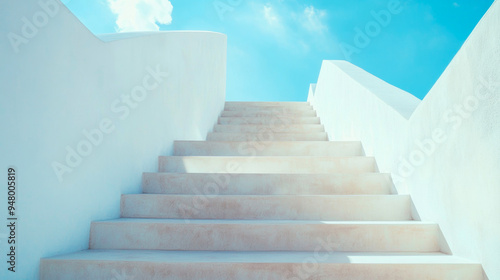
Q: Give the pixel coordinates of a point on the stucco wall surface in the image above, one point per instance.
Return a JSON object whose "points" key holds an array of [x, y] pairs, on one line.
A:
{"points": [[445, 150], [81, 119]]}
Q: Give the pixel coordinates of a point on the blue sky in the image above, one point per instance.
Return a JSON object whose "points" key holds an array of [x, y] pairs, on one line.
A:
{"points": [[275, 47]]}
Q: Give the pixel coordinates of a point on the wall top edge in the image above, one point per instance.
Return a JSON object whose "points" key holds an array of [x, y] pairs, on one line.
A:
{"points": [[401, 101], [110, 37]]}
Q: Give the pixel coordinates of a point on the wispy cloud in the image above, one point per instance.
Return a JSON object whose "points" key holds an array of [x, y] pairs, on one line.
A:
{"points": [[312, 19], [456, 5], [308, 19], [141, 15], [270, 15], [293, 26]]}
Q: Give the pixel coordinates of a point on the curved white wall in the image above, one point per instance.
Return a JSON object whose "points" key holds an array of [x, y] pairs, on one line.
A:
{"points": [[447, 154], [63, 80]]}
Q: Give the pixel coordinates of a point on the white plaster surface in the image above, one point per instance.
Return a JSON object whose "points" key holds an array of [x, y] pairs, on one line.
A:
{"points": [[155, 264], [224, 202], [65, 80], [446, 154]]}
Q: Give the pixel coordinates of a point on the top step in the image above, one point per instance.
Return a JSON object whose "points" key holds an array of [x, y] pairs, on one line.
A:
{"points": [[277, 107], [267, 104]]}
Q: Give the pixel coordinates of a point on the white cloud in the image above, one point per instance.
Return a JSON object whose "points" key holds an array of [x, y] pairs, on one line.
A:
{"points": [[456, 5], [313, 19], [293, 26], [270, 15], [141, 15]]}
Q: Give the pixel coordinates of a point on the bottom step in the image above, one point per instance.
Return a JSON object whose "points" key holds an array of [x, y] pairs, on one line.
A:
{"points": [[142, 264]]}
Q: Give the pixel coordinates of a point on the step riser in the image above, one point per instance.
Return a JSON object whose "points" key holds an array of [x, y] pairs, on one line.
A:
{"points": [[266, 165], [264, 237], [361, 208], [266, 184], [263, 148], [264, 129], [274, 121], [269, 113], [312, 268], [267, 135]]}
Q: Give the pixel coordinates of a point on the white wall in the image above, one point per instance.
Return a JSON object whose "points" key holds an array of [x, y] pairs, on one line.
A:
{"points": [[447, 154], [63, 80]]}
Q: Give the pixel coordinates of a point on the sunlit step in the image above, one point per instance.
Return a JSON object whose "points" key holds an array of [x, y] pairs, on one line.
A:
{"points": [[266, 184], [222, 265], [267, 135], [291, 105], [259, 128], [296, 165], [266, 113], [267, 148], [263, 235], [266, 207], [271, 121]]}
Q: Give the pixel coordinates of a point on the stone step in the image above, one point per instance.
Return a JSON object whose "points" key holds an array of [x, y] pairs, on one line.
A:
{"points": [[266, 165], [266, 207], [263, 235], [286, 105], [267, 135], [267, 148], [278, 110], [266, 184], [266, 113], [271, 121], [265, 103], [189, 265], [265, 129]]}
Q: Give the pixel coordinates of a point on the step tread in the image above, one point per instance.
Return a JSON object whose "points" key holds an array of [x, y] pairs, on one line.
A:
{"points": [[267, 164], [268, 121], [276, 196], [269, 113], [301, 143], [266, 103], [267, 135], [320, 133], [260, 257], [259, 128], [269, 157], [271, 207], [293, 117], [264, 222], [316, 133], [265, 125], [268, 148], [268, 184]]}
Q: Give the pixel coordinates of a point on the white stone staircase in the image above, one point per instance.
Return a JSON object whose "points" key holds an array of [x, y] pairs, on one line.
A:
{"points": [[265, 197]]}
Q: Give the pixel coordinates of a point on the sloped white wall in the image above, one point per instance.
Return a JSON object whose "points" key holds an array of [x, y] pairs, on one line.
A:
{"points": [[447, 154], [58, 80]]}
